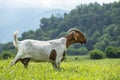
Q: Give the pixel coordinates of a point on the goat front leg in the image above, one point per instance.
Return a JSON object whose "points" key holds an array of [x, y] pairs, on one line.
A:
{"points": [[56, 66]]}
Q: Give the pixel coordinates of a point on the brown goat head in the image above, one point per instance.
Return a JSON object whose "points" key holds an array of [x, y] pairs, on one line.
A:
{"points": [[75, 36]]}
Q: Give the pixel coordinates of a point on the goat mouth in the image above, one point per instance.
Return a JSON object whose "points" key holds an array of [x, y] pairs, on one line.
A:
{"points": [[83, 42]]}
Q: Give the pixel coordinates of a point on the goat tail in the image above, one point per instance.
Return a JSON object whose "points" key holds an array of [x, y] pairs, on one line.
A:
{"points": [[15, 42]]}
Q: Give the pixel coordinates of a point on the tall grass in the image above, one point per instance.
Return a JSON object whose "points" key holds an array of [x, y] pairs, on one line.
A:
{"points": [[74, 68]]}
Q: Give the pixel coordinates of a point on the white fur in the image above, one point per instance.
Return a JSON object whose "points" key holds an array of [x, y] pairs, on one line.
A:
{"points": [[40, 50]]}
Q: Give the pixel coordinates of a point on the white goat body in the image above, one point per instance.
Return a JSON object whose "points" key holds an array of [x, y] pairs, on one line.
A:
{"points": [[40, 50]]}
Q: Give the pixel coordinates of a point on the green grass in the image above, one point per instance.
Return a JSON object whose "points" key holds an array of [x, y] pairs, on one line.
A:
{"points": [[74, 68]]}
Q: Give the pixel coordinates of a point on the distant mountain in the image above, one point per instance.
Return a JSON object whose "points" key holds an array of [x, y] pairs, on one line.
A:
{"points": [[23, 20]]}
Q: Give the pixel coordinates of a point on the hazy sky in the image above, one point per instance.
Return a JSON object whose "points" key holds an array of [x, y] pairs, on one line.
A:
{"points": [[52, 4]]}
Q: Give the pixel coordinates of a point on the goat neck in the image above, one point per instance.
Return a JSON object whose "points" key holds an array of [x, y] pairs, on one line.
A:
{"points": [[69, 39]]}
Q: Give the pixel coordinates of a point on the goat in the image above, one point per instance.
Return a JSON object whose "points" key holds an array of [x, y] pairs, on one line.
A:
{"points": [[46, 51]]}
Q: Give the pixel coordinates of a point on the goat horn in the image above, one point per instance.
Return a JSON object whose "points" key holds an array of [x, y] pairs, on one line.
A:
{"points": [[72, 29]]}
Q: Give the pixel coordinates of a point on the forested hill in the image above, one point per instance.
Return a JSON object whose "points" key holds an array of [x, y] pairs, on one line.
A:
{"points": [[100, 23]]}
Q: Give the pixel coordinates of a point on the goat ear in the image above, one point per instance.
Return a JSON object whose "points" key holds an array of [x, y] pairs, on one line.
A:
{"points": [[74, 35]]}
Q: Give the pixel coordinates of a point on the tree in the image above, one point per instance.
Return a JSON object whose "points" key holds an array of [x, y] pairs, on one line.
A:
{"points": [[0, 48], [112, 52]]}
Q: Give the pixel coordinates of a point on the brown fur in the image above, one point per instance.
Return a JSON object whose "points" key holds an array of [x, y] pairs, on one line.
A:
{"points": [[25, 62], [53, 55]]}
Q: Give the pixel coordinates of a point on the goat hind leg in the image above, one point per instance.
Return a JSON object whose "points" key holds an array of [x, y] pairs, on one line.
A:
{"points": [[25, 62], [15, 61]]}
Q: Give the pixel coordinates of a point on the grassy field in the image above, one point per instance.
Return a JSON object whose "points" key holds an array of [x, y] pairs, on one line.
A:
{"points": [[74, 68]]}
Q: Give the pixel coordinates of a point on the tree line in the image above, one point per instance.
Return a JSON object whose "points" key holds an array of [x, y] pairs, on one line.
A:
{"points": [[100, 24]]}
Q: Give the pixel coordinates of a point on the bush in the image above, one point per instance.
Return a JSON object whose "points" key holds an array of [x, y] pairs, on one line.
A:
{"points": [[6, 55], [96, 54], [112, 52]]}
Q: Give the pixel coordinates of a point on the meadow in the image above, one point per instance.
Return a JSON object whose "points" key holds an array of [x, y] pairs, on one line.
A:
{"points": [[73, 68]]}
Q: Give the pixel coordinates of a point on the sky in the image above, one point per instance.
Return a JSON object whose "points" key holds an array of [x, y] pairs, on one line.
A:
{"points": [[51, 4]]}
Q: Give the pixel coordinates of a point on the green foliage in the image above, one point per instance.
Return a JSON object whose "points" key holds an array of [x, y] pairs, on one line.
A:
{"points": [[105, 69], [96, 54], [1, 48], [7, 50], [6, 55], [8, 46], [110, 37], [112, 52]]}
